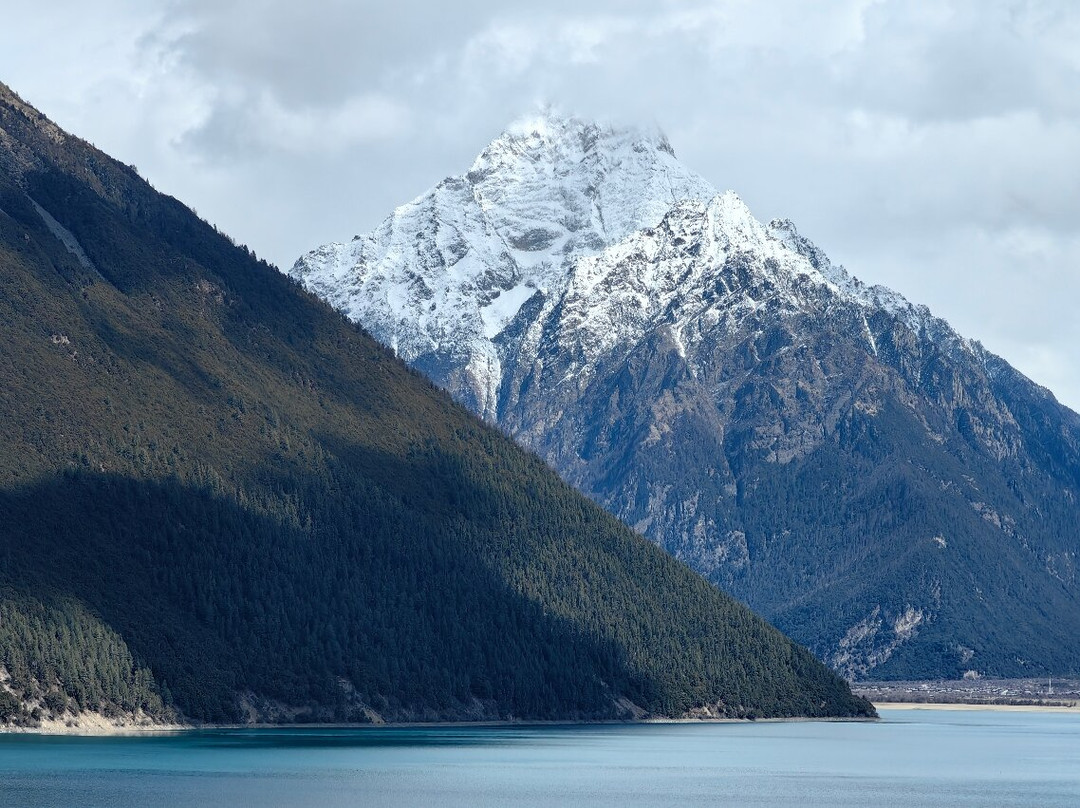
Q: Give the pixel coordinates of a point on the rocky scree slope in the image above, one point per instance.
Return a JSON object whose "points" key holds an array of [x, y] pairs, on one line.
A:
{"points": [[887, 491]]}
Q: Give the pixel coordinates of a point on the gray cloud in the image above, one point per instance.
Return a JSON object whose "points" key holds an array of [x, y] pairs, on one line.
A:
{"points": [[932, 147]]}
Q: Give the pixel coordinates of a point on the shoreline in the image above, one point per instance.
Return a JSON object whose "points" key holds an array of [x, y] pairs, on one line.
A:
{"points": [[971, 707], [102, 730]]}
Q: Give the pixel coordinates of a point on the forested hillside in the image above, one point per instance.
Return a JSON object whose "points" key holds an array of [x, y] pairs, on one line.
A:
{"points": [[221, 501]]}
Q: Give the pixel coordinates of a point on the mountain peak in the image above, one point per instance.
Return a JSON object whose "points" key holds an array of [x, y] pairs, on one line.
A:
{"points": [[558, 149], [444, 275], [557, 187], [550, 124]]}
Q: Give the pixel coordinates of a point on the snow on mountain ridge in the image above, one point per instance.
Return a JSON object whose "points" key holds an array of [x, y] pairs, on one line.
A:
{"points": [[556, 205], [443, 275], [557, 187], [663, 276], [851, 288]]}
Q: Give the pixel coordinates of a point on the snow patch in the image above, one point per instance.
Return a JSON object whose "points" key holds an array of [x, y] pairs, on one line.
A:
{"points": [[503, 308]]}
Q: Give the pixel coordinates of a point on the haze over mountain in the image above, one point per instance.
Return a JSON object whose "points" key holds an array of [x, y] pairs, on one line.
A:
{"points": [[220, 500], [879, 486]]}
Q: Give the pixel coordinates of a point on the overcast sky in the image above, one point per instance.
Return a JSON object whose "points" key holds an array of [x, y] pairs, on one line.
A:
{"points": [[932, 147]]}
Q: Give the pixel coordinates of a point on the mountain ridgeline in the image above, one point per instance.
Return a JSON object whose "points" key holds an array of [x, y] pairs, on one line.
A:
{"points": [[221, 501], [881, 488]]}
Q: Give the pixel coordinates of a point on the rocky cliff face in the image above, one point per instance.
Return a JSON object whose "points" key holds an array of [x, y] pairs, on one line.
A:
{"points": [[882, 488]]}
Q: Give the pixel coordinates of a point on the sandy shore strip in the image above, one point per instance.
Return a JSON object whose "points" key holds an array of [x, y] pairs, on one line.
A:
{"points": [[96, 725], [93, 724]]}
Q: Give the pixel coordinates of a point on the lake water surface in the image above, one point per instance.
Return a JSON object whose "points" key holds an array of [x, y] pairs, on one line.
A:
{"points": [[910, 758]]}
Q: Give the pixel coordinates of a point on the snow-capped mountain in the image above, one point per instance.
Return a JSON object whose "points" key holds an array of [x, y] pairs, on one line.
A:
{"points": [[882, 488], [444, 275]]}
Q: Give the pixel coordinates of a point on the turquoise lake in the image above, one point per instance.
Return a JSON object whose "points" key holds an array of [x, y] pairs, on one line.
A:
{"points": [[910, 758]]}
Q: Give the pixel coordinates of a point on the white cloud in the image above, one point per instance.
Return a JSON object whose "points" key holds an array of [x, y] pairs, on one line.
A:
{"points": [[250, 127], [932, 147]]}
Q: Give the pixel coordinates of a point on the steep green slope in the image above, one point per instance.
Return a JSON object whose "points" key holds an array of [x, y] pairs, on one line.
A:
{"points": [[60, 661], [278, 520]]}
